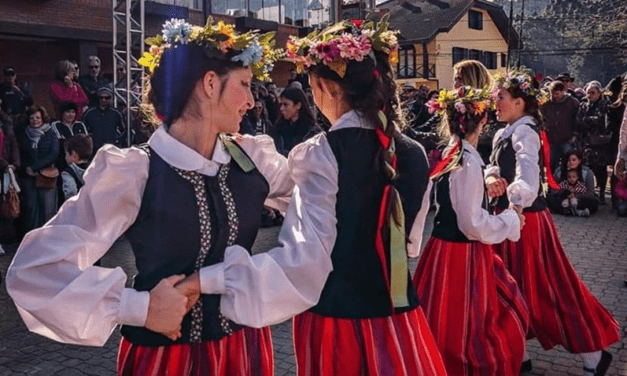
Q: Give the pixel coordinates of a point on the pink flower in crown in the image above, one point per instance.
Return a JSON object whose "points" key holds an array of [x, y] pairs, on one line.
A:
{"points": [[154, 50], [433, 106], [525, 85], [460, 107]]}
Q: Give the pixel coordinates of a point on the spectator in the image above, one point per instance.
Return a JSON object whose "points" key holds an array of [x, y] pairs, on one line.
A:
{"points": [[104, 123], [92, 81], [78, 151], [567, 81], [592, 120], [77, 72], [39, 150], [296, 123], [560, 117], [587, 200], [615, 112], [570, 186], [66, 128], [272, 102], [15, 96], [64, 89], [9, 159], [259, 119], [621, 158]]}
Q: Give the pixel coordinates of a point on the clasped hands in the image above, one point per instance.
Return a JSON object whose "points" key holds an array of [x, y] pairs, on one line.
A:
{"points": [[170, 300], [496, 187]]}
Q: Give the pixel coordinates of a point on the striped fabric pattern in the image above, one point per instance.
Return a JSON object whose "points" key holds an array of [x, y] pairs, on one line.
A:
{"points": [[562, 309], [247, 352], [399, 345], [474, 308]]}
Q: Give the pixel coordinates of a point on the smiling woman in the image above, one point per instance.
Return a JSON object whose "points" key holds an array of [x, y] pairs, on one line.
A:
{"points": [[190, 203]]}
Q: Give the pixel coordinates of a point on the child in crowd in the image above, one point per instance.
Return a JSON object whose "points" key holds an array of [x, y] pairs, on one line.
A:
{"points": [[570, 186], [78, 150]]}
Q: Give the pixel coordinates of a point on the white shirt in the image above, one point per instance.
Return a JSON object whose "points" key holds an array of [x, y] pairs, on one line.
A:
{"points": [[526, 143], [466, 191], [61, 295]]}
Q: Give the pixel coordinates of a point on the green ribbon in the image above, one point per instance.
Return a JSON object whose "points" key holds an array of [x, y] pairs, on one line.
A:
{"points": [[398, 256], [238, 155]]}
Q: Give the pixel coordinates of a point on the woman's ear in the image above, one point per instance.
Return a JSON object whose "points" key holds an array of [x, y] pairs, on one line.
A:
{"points": [[210, 84], [329, 87]]}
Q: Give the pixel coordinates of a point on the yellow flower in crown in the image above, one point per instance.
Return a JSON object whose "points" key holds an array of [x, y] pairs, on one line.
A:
{"points": [[346, 40], [220, 41]]}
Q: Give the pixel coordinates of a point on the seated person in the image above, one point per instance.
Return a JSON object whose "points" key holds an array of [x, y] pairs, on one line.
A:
{"points": [[588, 200], [571, 186]]}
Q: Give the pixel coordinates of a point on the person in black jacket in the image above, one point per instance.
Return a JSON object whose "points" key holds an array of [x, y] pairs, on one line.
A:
{"points": [[296, 123], [40, 149]]}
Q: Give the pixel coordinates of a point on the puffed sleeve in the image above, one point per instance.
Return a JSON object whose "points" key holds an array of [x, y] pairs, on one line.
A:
{"points": [[271, 287], [492, 170], [52, 280], [273, 166], [524, 189], [467, 191]]}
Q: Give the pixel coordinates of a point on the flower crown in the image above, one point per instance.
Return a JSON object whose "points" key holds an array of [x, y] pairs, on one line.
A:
{"points": [[336, 45], [461, 103], [252, 49], [523, 82]]}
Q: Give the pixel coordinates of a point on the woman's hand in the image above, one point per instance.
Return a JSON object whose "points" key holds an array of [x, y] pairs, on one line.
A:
{"points": [[30, 172], [495, 187], [619, 168], [519, 211], [190, 287], [167, 308], [68, 80]]}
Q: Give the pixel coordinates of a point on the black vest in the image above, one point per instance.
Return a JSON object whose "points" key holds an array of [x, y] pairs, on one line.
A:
{"points": [[445, 223], [166, 236], [356, 287], [504, 156]]}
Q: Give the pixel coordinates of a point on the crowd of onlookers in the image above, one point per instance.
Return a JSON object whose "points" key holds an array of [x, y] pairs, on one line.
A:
{"points": [[583, 126], [47, 152], [44, 151]]}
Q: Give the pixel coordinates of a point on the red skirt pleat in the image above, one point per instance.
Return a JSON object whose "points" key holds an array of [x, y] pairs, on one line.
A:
{"points": [[562, 310], [247, 352], [399, 345], [474, 308]]}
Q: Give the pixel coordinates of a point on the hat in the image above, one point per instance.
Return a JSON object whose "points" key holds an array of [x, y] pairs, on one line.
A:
{"points": [[409, 86], [9, 71], [65, 106], [564, 75], [104, 90]]}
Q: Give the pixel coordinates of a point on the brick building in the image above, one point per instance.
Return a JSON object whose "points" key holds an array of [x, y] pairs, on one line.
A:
{"points": [[36, 34]]}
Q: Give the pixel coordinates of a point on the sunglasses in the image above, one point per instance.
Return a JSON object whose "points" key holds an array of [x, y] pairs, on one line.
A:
{"points": [[94, 66], [107, 97]]}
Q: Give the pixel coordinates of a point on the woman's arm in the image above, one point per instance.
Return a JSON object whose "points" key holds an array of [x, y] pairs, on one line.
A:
{"points": [[467, 195], [271, 287], [52, 280], [524, 189]]}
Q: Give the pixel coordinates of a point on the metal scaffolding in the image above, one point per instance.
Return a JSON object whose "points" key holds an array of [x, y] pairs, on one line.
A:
{"points": [[128, 46]]}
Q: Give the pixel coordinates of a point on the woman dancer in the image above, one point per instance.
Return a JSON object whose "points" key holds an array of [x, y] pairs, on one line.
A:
{"points": [[190, 203], [474, 308], [368, 320], [562, 310]]}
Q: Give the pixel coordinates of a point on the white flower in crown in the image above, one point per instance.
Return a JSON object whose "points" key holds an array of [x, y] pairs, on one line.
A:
{"points": [[251, 54], [176, 30]]}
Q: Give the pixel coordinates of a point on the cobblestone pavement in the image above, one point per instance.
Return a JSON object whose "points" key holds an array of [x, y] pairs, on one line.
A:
{"points": [[597, 247]]}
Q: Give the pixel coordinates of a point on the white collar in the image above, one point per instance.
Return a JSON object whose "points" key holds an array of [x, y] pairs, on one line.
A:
{"points": [[471, 149], [181, 156], [351, 119], [509, 130]]}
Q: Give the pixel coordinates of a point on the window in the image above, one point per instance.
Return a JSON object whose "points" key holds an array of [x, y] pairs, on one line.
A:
{"points": [[406, 62], [489, 59], [459, 54], [503, 60], [475, 20], [475, 55]]}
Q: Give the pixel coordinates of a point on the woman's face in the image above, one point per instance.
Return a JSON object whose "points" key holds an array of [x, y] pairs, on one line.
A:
{"points": [[69, 116], [508, 108], [457, 79], [573, 161], [289, 109], [235, 100], [36, 120], [258, 109], [593, 94]]}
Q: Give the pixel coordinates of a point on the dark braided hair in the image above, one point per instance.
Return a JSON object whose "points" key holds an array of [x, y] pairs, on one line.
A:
{"points": [[368, 87], [532, 107]]}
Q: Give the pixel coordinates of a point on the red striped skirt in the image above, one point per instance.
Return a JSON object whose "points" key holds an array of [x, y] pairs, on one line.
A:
{"points": [[399, 345], [474, 308], [247, 352], [561, 308]]}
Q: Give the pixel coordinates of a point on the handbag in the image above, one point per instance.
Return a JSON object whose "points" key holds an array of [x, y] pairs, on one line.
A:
{"points": [[9, 200], [47, 177]]}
